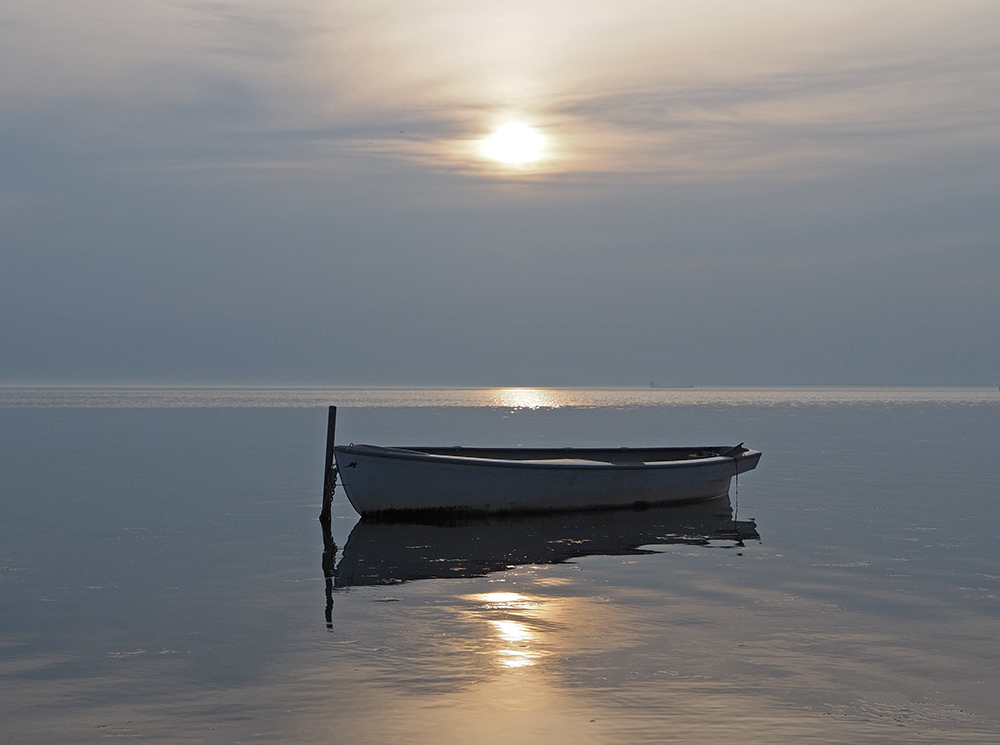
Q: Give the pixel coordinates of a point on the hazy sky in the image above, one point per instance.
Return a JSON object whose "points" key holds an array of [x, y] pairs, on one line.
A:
{"points": [[296, 192]]}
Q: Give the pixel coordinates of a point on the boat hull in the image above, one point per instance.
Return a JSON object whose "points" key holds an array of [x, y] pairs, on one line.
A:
{"points": [[383, 481]]}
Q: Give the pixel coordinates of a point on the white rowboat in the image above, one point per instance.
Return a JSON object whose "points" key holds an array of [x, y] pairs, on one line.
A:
{"points": [[384, 481]]}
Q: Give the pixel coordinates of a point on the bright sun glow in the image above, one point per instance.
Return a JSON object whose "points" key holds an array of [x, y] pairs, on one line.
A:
{"points": [[514, 143]]}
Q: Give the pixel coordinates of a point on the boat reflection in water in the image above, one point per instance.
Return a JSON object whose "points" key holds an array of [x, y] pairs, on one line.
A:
{"points": [[379, 553]]}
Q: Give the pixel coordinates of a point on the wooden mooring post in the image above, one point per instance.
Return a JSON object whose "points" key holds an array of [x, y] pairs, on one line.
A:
{"points": [[326, 517], [329, 471]]}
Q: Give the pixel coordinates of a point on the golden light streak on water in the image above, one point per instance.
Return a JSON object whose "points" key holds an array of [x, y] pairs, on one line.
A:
{"points": [[517, 622], [526, 398]]}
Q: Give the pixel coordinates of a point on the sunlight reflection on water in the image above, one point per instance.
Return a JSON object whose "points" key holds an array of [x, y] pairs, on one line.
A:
{"points": [[526, 398], [514, 618]]}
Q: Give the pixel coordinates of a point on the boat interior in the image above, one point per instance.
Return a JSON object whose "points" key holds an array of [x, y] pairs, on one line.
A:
{"points": [[608, 455]]}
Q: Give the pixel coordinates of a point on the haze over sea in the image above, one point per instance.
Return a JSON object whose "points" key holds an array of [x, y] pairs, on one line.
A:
{"points": [[161, 574]]}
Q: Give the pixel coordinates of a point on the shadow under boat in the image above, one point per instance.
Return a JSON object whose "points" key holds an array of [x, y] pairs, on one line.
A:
{"points": [[380, 553]]}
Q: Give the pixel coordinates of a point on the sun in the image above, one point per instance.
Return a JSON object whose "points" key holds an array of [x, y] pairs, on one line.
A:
{"points": [[514, 143]]}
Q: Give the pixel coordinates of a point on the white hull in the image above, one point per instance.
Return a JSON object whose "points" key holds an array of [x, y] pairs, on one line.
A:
{"points": [[387, 480]]}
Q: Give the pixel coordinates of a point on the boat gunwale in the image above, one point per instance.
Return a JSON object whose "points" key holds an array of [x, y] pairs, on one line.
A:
{"points": [[400, 453]]}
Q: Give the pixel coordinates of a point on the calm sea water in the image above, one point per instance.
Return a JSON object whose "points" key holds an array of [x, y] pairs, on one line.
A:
{"points": [[161, 574]]}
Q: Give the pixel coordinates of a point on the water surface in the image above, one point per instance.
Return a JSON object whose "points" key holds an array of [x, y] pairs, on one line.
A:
{"points": [[161, 574]]}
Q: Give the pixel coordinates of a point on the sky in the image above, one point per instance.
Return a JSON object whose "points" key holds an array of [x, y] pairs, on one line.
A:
{"points": [[307, 192]]}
